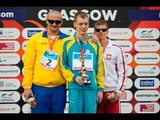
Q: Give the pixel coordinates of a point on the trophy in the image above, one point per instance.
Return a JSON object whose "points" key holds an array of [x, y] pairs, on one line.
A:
{"points": [[86, 78], [109, 96], [32, 101]]}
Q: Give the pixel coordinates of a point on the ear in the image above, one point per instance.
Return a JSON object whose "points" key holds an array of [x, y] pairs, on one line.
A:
{"points": [[62, 22], [74, 24]]}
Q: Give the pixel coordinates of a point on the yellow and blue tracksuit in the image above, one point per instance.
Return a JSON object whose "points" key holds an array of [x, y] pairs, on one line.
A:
{"points": [[48, 85], [82, 98]]}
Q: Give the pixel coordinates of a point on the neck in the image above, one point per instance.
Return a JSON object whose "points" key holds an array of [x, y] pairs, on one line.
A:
{"points": [[104, 42], [53, 33], [84, 36]]}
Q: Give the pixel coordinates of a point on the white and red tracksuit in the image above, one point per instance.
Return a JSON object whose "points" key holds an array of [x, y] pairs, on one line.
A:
{"points": [[115, 76]]}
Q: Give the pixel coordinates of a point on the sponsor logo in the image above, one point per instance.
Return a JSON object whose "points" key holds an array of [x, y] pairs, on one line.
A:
{"points": [[9, 58], [9, 46], [146, 33], [13, 14], [68, 31], [126, 96], [6, 14], [9, 96], [147, 46], [125, 45], [147, 107], [94, 14], [9, 33], [6, 46], [9, 71], [147, 95], [9, 84], [146, 58], [28, 32], [147, 83], [147, 70], [32, 32], [126, 107], [9, 108], [119, 33]]}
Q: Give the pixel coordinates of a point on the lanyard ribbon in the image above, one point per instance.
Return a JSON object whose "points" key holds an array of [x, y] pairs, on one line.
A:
{"points": [[50, 41], [81, 48], [82, 57]]}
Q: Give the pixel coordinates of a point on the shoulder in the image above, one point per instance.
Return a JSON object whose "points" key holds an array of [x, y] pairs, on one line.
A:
{"points": [[68, 39], [97, 43], [115, 45], [37, 34], [63, 35], [35, 37]]}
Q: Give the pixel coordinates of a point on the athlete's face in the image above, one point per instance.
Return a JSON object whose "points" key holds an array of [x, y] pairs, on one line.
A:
{"points": [[54, 21], [101, 31], [81, 25]]}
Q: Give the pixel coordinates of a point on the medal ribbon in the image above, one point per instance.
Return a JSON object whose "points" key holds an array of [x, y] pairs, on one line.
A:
{"points": [[82, 57], [84, 41], [49, 41]]}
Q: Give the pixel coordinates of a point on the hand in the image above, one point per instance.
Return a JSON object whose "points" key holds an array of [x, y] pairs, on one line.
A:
{"points": [[100, 97], [116, 97], [26, 93], [79, 80], [94, 38]]}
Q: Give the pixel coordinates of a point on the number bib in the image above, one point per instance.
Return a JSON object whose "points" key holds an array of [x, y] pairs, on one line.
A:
{"points": [[88, 61], [49, 60]]}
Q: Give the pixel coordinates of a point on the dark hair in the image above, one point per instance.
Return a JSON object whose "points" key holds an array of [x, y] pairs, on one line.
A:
{"points": [[81, 14]]}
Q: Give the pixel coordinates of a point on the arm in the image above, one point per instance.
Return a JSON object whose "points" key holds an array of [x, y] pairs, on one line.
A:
{"points": [[94, 38], [121, 70], [100, 74], [64, 66], [29, 61], [100, 69]]}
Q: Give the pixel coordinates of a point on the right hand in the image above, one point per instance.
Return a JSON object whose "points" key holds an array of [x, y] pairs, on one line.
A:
{"points": [[79, 80], [26, 93]]}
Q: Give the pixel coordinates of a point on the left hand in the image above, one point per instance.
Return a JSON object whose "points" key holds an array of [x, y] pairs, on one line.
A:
{"points": [[100, 97], [94, 38], [116, 97]]}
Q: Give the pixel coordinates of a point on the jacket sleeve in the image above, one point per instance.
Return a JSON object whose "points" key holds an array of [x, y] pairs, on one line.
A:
{"points": [[100, 72], [121, 69], [29, 61], [64, 66]]}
